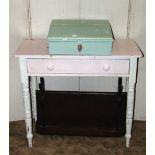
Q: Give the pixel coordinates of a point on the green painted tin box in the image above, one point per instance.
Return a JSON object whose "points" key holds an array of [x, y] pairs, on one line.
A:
{"points": [[80, 37]]}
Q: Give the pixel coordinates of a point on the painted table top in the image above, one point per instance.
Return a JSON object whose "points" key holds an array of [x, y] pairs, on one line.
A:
{"points": [[38, 48]]}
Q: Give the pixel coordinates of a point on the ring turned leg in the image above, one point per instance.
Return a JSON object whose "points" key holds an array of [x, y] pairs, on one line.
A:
{"points": [[26, 97], [130, 99], [28, 118], [33, 95], [129, 116]]}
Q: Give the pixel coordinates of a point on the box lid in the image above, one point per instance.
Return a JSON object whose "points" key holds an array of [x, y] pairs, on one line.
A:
{"points": [[75, 29]]}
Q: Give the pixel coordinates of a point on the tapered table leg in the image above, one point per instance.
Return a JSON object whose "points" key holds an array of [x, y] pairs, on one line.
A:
{"points": [[26, 97], [130, 99], [33, 96]]}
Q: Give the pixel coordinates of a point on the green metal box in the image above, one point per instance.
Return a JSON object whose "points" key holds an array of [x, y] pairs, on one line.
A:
{"points": [[80, 37]]}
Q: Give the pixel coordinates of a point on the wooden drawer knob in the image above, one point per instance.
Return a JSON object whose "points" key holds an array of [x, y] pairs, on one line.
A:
{"points": [[50, 67], [106, 67]]}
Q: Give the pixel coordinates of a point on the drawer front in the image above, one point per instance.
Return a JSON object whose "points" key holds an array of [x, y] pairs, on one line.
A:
{"points": [[80, 47], [57, 66]]}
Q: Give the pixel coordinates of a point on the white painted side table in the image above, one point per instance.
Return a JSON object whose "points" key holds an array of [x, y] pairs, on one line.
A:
{"points": [[35, 61]]}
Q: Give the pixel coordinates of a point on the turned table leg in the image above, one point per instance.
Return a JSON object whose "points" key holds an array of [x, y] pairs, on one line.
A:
{"points": [[130, 99], [33, 96], [26, 97], [28, 118]]}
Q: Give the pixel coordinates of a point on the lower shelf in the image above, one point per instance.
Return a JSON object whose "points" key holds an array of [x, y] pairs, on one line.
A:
{"points": [[81, 113]]}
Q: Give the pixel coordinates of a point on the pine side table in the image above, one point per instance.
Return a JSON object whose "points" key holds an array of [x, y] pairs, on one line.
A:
{"points": [[35, 61]]}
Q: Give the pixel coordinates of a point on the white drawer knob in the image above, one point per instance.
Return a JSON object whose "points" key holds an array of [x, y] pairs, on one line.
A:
{"points": [[50, 67], [106, 67]]}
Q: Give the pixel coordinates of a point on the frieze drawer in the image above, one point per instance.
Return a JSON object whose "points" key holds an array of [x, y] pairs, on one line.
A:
{"points": [[61, 66]]}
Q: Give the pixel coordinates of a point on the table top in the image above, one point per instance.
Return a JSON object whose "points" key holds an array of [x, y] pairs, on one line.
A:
{"points": [[38, 48]]}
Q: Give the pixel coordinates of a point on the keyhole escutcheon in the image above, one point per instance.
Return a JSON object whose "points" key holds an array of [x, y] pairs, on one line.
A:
{"points": [[79, 47]]}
